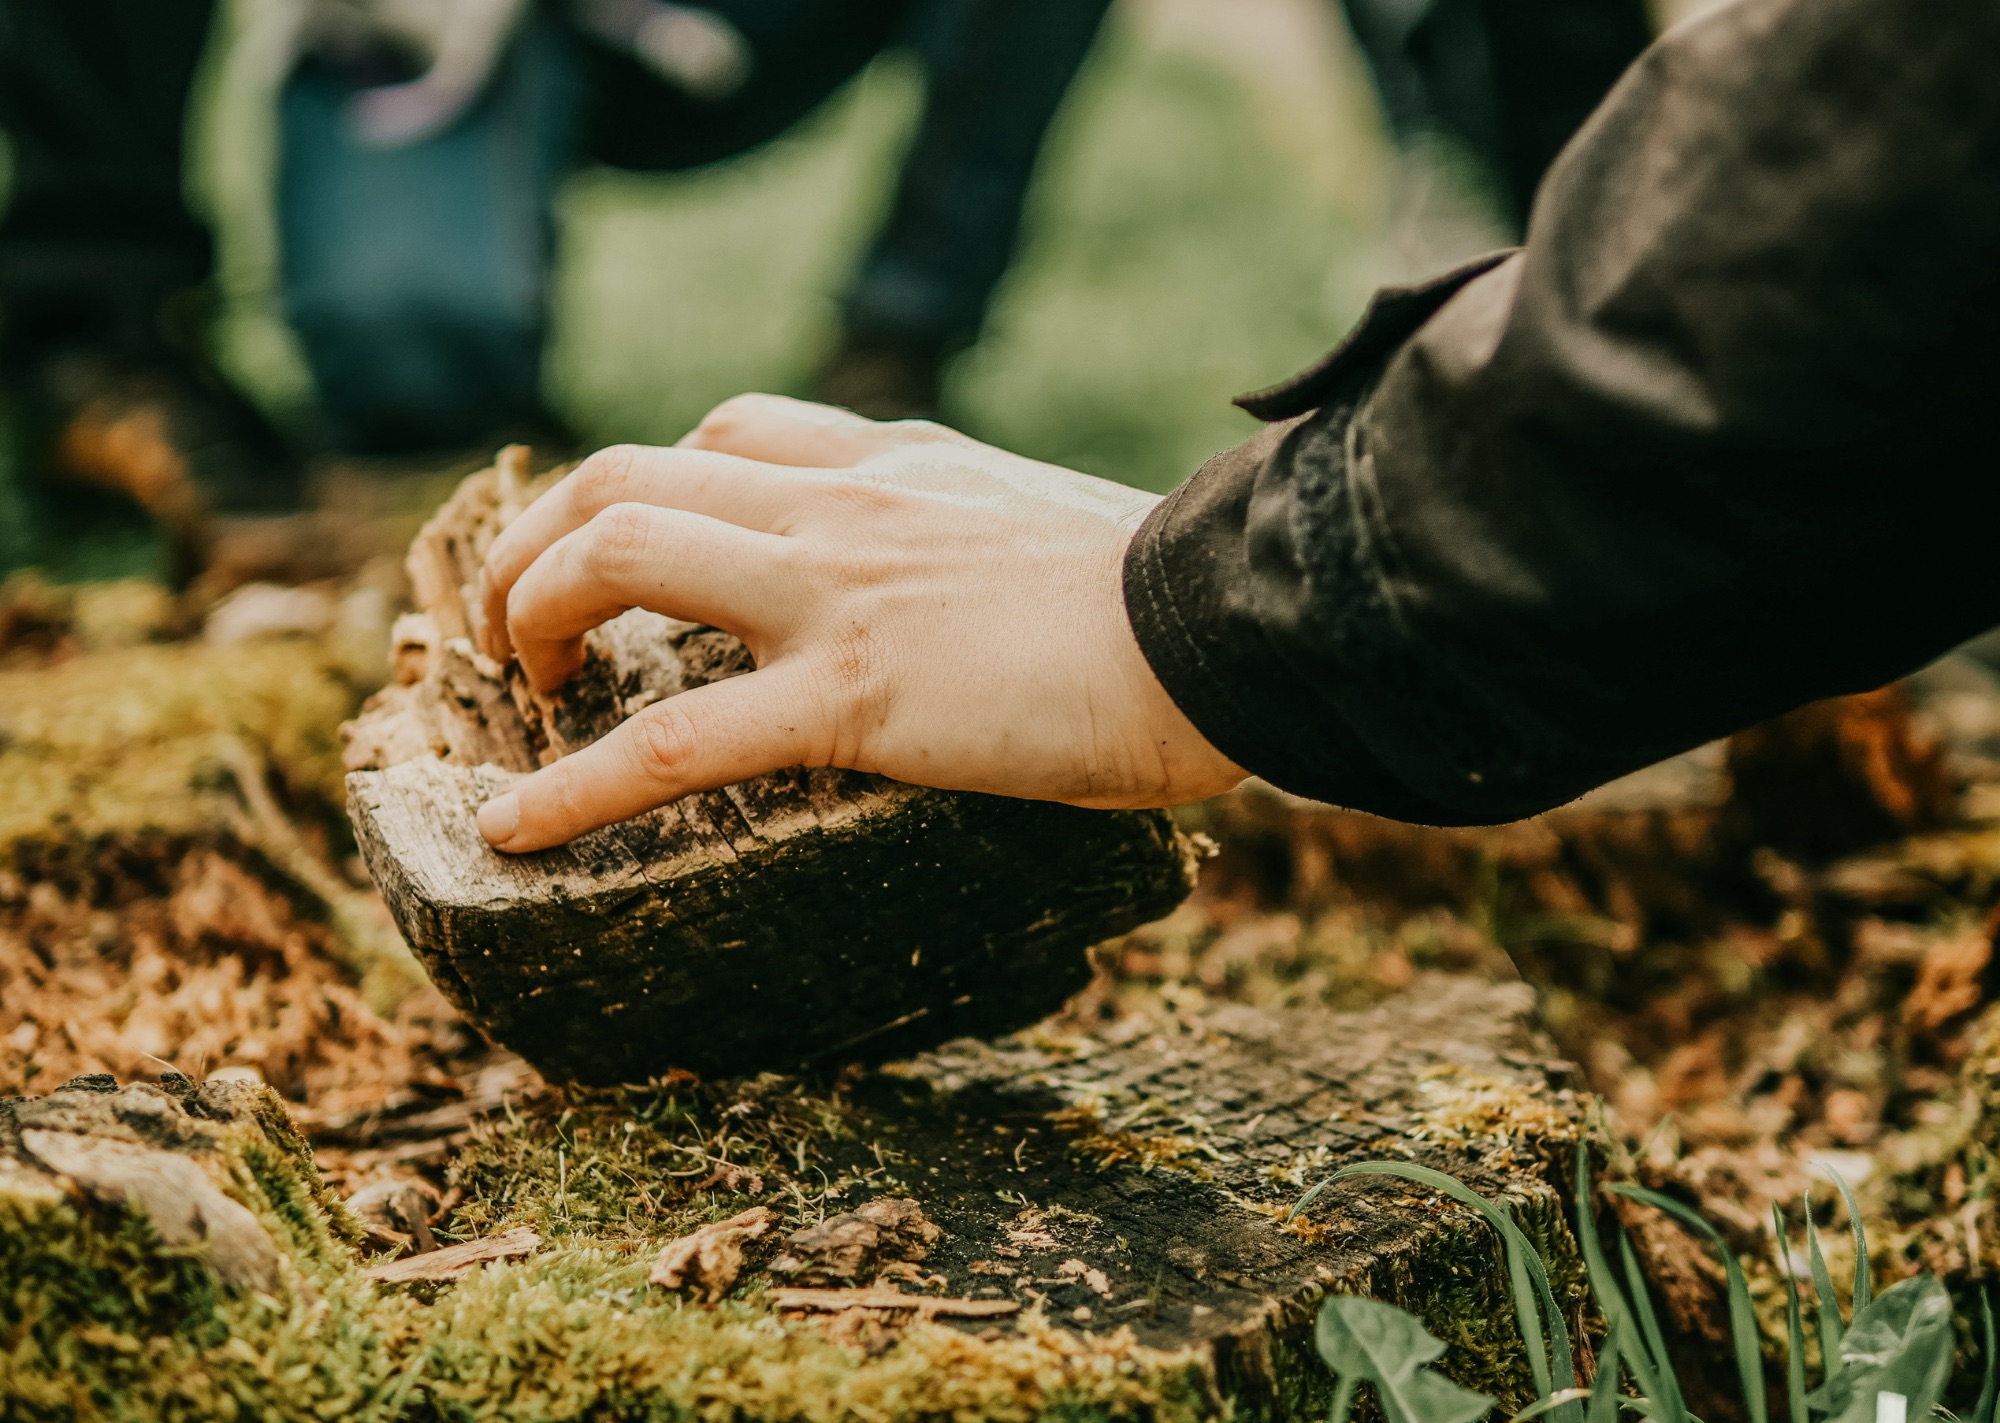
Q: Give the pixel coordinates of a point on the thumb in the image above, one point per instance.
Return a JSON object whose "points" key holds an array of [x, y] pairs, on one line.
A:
{"points": [[703, 738]]}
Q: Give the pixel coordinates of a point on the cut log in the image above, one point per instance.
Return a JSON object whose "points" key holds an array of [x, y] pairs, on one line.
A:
{"points": [[798, 917]]}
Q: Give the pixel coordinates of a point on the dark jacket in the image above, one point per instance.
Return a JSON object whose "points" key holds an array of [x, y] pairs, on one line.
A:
{"points": [[1715, 442]]}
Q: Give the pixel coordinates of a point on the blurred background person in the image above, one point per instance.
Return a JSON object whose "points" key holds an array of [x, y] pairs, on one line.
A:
{"points": [[1505, 81], [422, 146]]}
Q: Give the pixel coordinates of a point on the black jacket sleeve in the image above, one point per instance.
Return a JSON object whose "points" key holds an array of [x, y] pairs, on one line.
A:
{"points": [[1713, 444]]}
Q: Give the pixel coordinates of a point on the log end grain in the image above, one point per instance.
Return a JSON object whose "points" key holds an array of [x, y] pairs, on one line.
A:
{"points": [[882, 919]]}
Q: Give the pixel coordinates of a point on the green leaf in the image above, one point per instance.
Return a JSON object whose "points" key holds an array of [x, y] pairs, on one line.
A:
{"points": [[1864, 1284], [1831, 1326], [1742, 1313], [1611, 1300], [1365, 1339], [1795, 1331], [1901, 1343], [1525, 1272]]}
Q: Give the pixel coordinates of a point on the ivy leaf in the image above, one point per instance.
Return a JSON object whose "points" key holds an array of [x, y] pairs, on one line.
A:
{"points": [[1901, 1343], [1367, 1341]]}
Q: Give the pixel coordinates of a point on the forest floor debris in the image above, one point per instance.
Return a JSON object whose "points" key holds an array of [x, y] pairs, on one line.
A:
{"points": [[1758, 998]]}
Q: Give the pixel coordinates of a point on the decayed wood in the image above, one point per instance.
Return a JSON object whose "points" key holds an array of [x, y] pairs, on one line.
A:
{"points": [[164, 1152], [798, 917], [707, 1262], [1058, 1189]]}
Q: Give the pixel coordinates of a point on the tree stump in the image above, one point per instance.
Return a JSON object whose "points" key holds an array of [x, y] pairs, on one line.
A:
{"points": [[1140, 1177], [798, 917], [1089, 1225]]}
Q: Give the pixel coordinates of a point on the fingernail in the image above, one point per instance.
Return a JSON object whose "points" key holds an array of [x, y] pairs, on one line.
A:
{"points": [[499, 818]]}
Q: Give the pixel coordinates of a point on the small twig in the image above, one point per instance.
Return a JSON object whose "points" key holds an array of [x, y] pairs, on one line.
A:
{"points": [[838, 1300]]}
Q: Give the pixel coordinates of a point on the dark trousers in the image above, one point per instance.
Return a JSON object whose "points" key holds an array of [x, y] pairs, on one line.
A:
{"points": [[416, 276], [1511, 79]]}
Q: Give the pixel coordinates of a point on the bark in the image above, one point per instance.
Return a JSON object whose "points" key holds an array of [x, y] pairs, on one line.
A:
{"points": [[799, 917]]}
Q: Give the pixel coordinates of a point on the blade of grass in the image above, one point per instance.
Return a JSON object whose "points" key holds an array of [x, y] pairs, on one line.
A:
{"points": [[1668, 1400], [1526, 1274], [1831, 1329], [1552, 1401], [1989, 1386], [1742, 1313], [1645, 1367], [1864, 1275], [1603, 1406], [1795, 1330]]}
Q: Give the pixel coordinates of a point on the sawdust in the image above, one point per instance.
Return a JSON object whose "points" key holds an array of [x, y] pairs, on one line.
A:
{"points": [[217, 970]]}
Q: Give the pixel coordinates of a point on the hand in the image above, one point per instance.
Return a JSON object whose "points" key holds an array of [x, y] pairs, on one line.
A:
{"points": [[918, 604]]}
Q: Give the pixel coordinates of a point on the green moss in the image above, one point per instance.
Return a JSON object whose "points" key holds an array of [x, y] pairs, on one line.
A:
{"points": [[101, 1320], [635, 1166], [148, 741], [579, 1333]]}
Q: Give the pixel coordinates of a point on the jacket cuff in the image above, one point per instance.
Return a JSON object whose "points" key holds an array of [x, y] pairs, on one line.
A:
{"points": [[1392, 317], [1191, 599], [1191, 592]]}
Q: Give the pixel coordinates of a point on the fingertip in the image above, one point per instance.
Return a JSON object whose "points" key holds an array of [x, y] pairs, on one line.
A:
{"points": [[547, 666], [500, 819]]}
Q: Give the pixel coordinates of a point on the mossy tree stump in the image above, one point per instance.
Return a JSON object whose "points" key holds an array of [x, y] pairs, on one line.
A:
{"points": [[1166, 1152], [1125, 1188]]}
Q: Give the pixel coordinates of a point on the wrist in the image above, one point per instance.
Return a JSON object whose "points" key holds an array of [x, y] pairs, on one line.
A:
{"points": [[1174, 763]]}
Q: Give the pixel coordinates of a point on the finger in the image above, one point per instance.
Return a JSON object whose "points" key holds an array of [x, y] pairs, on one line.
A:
{"points": [[777, 430], [707, 737], [721, 486], [684, 565]]}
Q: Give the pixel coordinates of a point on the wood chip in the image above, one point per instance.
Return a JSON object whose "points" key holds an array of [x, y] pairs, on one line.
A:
{"points": [[706, 1263], [456, 1261], [835, 1301]]}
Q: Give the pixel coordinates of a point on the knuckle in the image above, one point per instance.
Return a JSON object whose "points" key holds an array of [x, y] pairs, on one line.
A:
{"points": [[605, 477], [664, 742], [853, 664], [619, 539], [732, 415], [926, 432], [559, 797]]}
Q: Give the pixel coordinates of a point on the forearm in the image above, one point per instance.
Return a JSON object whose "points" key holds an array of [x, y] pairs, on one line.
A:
{"points": [[1694, 456]]}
